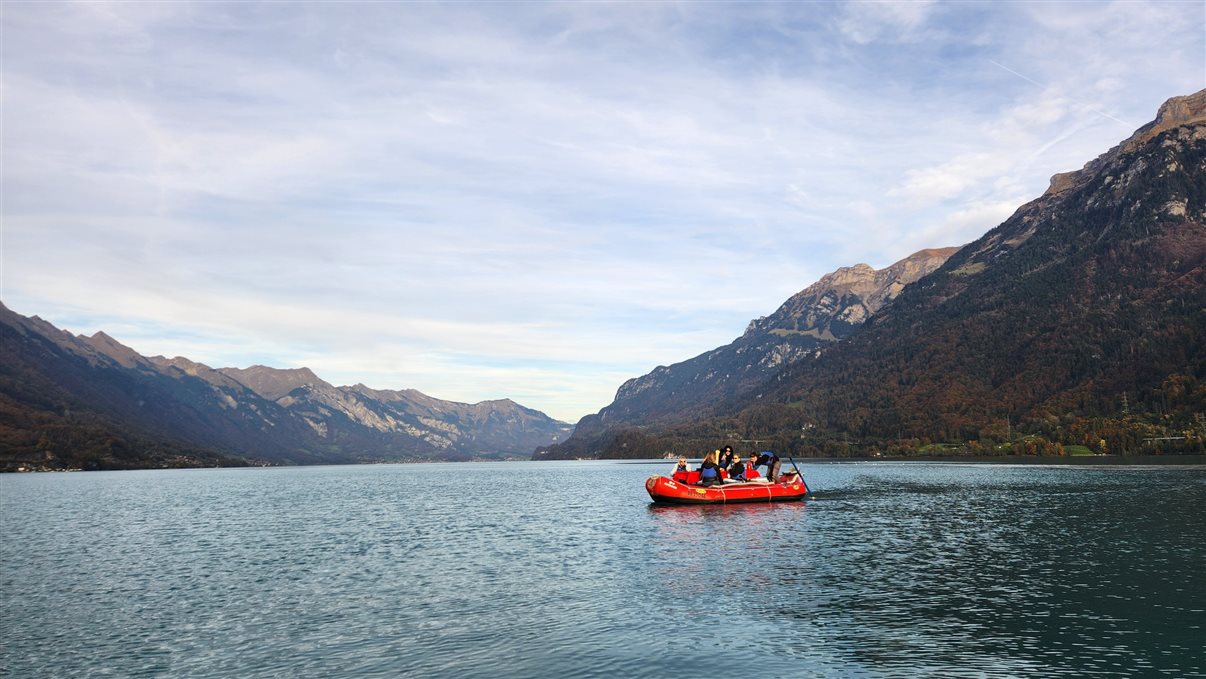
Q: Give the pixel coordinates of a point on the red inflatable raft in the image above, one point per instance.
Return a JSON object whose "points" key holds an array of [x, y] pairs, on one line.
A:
{"points": [[664, 489]]}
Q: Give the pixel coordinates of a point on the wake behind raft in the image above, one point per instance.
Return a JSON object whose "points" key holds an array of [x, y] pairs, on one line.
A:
{"points": [[682, 491]]}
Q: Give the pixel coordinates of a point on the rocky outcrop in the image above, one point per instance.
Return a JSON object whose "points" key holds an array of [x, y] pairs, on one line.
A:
{"points": [[273, 383], [1186, 112], [841, 301]]}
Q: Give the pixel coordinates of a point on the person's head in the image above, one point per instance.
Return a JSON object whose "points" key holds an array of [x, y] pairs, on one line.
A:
{"points": [[682, 460], [728, 449], [753, 457]]}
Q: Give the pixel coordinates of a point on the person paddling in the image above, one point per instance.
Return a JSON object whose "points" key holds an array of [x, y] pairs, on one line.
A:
{"points": [[772, 465]]}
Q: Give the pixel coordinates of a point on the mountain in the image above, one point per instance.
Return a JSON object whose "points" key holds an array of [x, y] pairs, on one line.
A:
{"points": [[821, 314], [1087, 303], [1079, 321], [69, 401]]}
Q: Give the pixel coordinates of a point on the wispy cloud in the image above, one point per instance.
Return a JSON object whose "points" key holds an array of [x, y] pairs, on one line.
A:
{"points": [[868, 22], [535, 200]]}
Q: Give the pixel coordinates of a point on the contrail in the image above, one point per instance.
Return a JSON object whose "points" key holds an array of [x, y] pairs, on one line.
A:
{"points": [[1039, 84]]}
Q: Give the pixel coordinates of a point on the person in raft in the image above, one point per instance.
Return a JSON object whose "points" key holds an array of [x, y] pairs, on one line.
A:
{"points": [[726, 457], [680, 469], [681, 466], [751, 467], [771, 461], [737, 469], [709, 471]]}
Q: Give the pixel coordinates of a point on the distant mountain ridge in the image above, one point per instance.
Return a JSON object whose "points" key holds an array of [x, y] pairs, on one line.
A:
{"points": [[823, 313], [68, 400]]}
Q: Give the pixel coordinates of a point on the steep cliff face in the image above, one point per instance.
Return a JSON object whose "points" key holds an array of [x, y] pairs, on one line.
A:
{"points": [[69, 400], [823, 313], [1187, 112], [840, 302]]}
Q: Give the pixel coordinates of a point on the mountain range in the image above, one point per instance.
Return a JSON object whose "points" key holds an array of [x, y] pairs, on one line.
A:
{"points": [[71, 401], [1079, 321]]}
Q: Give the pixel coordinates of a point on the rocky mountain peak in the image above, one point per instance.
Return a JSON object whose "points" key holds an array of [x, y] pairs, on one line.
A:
{"points": [[847, 297], [183, 364], [1176, 112], [273, 383], [106, 345], [846, 278]]}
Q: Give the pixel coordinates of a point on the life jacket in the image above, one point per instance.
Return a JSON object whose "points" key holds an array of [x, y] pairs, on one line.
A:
{"points": [[709, 473]]}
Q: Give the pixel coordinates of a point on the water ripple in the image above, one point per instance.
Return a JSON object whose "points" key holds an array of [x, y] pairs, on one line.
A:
{"points": [[563, 569]]}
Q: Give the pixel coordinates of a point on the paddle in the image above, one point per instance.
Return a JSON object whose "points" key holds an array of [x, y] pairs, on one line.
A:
{"points": [[793, 465]]}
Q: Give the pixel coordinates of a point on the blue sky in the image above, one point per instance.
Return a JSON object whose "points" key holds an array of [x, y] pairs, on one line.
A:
{"points": [[533, 201]]}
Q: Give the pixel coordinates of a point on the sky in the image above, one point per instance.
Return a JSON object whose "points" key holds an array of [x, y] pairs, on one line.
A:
{"points": [[534, 201]]}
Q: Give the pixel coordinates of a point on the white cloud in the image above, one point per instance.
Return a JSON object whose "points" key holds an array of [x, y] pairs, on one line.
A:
{"points": [[866, 22], [949, 179]]}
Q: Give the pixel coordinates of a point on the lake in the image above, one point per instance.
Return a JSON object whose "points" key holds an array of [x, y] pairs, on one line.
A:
{"points": [[564, 569]]}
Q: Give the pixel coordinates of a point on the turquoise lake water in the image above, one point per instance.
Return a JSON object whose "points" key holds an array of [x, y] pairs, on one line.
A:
{"points": [[564, 569]]}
